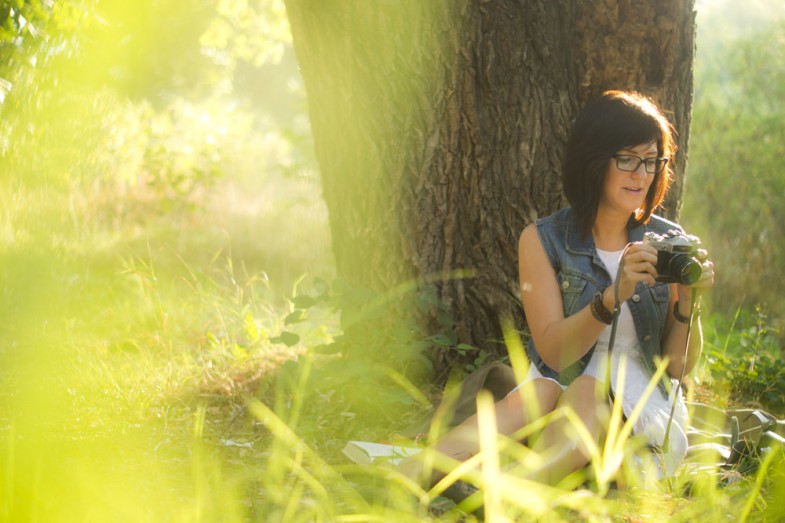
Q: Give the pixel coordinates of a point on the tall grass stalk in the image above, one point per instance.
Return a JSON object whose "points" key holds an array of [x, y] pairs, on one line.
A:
{"points": [[753, 496], [489, 453]]}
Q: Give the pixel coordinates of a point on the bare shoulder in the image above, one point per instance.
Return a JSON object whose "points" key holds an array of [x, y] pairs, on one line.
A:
{"points": [[529, 242], [528, 234]]}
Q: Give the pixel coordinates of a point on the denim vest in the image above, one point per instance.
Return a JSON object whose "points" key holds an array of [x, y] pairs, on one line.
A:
{"points": [[581, 273]]}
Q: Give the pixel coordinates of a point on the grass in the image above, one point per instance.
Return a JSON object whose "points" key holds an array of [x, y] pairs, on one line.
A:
{"points": [[133, 387], [143, 382], [136, 329], [160, 361]]}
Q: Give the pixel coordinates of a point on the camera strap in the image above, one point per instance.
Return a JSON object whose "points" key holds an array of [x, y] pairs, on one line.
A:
{"points": [[615, 322], [616, 311], [666, 440]]}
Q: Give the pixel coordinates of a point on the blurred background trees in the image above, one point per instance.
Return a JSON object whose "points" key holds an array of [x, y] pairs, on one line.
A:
{"points": [[168, 114], [736, 195]]}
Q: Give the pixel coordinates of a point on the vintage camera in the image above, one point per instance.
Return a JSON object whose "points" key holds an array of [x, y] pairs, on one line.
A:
{"points": [[676, 261]]}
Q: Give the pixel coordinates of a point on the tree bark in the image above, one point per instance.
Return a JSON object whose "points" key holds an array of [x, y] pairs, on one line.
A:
{"points": [[439, 127]]}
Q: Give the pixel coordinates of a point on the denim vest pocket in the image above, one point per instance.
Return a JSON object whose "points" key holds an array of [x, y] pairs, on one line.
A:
{"points": [[661, 296], [573, 287]]}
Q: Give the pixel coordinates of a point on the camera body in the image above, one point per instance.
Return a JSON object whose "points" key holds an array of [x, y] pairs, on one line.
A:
{"points": [[676, 256]]}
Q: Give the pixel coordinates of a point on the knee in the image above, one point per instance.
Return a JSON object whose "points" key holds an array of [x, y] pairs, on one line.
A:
{"points": [[562, 456], [584, 382], [585, 390], [542, 392]]}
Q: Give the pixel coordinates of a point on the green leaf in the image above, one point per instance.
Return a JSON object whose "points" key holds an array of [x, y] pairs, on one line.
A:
{"points": [[321, 287], [253, 331], [287, 338], [445, 320], [327, 349], [442, 339], [303, 301], [295, 317]]}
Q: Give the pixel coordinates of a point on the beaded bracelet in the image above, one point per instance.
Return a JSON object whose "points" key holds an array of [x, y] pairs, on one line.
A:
{"points": [[599, 311]]}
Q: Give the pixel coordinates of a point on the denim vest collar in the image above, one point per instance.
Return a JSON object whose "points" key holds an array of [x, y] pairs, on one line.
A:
{"points": [[576, 243]]}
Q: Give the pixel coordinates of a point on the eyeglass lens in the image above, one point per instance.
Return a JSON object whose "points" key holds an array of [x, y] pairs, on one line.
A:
{"points": [[632, 163]]}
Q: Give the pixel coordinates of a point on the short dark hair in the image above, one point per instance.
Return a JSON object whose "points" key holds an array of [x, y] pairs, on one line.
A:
{"points": [[608, 123]]}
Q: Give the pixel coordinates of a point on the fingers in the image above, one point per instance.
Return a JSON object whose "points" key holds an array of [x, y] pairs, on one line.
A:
{"points": [[638, 266], [706, 280], [639, 263], [642, 271], [641, 251]]}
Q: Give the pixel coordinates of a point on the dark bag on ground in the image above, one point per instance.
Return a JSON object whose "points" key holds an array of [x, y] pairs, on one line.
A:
{"points": [[731, 435]]}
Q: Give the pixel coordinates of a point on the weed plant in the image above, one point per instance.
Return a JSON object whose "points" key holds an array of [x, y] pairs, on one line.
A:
{"points": [[743, 361]]}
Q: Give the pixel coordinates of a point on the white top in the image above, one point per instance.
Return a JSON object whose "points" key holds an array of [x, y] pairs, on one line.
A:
{"points": [[653, 420]]}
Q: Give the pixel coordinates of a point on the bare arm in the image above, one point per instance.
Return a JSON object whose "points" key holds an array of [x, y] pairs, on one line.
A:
{"points": [[560, 341], [676, 331]]}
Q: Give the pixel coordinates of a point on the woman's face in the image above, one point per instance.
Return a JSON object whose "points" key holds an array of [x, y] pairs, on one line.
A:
{"points": [[626, 191]]}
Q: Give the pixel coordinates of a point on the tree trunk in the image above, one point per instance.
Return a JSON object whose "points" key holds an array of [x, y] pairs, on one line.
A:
{"points": [[439, 127]]}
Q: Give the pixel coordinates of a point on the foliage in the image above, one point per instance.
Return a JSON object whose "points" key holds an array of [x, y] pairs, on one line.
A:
{"points": [[445, 336], [154, 50], [21, 23], [254, 32], [746, 361], [733, 201]]}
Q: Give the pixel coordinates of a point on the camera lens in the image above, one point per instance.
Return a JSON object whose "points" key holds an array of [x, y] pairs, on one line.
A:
{"points": [[685, 269]]}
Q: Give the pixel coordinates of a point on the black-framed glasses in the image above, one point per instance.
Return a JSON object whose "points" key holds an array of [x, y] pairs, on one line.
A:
{"points": [[630, 163]]}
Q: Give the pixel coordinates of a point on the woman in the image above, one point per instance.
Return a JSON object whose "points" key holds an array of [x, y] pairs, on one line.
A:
{"points": [[615, 175]]}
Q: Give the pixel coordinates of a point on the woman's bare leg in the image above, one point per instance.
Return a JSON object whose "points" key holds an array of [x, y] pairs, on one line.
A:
{"points": [[560, 444], [532, 400]]}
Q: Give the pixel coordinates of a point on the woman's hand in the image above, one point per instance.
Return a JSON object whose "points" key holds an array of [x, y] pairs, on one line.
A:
{"points": [[637, 265], [705, 282]]}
